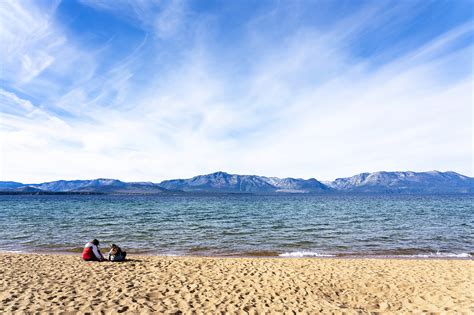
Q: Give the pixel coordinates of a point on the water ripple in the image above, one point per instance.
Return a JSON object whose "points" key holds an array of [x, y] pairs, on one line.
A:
{"points": [[288, 225]]}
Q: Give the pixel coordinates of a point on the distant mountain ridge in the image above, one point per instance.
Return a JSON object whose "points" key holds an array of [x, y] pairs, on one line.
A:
{"points": [[224, 182], [433, 182], [405, 182], [100, 185]]}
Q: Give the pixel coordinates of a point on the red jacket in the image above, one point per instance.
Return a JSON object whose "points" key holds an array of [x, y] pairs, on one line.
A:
{"points": [[91, 251]]}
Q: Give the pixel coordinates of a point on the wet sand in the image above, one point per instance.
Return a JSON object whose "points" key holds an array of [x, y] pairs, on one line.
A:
{"points": [[65, 283]]}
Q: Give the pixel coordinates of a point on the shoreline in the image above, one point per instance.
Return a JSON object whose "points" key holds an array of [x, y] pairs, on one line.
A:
{"points": [[58, 282], [338, 256]]}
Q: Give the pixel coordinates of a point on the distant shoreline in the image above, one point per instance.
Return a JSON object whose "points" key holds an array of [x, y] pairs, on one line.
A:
{"points": [[225, 193], [50, 193]]}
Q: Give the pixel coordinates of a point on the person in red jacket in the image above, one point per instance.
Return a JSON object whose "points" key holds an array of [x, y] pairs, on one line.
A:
{"points": [[92, 252]]}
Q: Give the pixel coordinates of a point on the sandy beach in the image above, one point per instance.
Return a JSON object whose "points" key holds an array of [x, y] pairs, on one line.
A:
{"points": [[65, 283]]}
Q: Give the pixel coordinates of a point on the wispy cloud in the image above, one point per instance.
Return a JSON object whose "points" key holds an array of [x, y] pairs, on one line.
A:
{"points": [[22, 31], [160, 18], [305, 105]]}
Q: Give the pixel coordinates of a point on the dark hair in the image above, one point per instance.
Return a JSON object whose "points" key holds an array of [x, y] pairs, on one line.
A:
{"points": [[95, 241]]}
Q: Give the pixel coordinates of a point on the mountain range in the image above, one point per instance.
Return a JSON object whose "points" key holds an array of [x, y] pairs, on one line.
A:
{"points": [[224, 182], [433, 182], [405, 182], [101, 185]]}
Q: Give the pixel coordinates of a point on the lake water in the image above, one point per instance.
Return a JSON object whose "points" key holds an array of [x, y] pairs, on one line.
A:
{"points": [[243, 225]]}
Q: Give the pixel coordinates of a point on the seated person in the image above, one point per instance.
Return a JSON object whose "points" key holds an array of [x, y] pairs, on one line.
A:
{"points": [[92, 252], [116, 254]]}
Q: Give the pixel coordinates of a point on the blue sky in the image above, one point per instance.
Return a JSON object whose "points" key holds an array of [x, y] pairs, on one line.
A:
{"points": [[152, 90]]}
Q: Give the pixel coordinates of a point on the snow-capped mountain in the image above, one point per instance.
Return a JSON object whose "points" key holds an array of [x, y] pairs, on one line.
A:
{"points": [[101, 185], [405, 182], [433, 182], [224, 182]]}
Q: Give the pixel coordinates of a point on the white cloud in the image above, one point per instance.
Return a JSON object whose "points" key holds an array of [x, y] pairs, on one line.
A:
{"points": [[169, 21], [304, 108], [22, 29], [33, 42]]}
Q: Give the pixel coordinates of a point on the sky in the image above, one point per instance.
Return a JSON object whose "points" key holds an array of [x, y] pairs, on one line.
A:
{"points": [[152, 90]]}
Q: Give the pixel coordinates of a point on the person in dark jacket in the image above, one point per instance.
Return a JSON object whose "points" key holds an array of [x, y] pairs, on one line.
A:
{"points": [[116, 253]]}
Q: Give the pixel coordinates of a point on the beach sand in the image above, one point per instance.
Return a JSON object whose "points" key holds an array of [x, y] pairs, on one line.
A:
{"points": [[57, 283]]}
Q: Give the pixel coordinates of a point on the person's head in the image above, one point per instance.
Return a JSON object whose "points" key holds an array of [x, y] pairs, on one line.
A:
{"points": [[95, 242], [114, 249]]}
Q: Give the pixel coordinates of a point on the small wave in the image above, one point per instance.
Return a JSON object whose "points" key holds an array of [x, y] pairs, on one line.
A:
{"points": [[442, 255], [305, 254]]}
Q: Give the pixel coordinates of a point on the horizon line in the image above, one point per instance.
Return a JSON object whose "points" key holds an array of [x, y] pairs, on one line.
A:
{"points": [[157, 182]]}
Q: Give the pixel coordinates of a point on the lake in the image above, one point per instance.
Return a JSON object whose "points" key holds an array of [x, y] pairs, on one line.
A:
{"points": [[286, 225]]}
